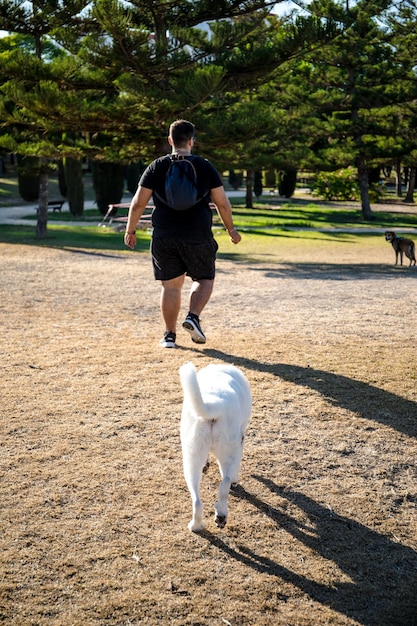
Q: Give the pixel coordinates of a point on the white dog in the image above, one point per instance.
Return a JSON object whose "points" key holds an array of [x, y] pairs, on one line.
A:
{"points": [[216, 411]]}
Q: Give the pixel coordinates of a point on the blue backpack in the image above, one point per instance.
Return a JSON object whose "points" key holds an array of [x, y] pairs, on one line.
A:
{"points": [[181, 188]]}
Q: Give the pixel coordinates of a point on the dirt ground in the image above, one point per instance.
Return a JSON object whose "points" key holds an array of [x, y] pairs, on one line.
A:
{"points": [[94, 509]]}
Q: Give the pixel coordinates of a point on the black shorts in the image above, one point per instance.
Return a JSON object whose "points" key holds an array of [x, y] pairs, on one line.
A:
{"points": [[173, 256]]}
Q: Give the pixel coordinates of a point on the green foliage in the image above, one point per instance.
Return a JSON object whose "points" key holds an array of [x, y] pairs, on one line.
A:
{"points": [[287, 182], [28, 178], [343, 185], [270, 178], [235, 179], [339, 185], [133, 172], [74, 184], [257, 183], [104, 79], [17, 44], [118, 73]]}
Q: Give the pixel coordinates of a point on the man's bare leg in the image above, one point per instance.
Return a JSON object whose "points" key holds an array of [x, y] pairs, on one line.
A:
{"points": [[200, 293], [171, 301], [199, 296]]}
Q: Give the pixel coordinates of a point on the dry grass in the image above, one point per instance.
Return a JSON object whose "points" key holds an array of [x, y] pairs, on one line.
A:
{"points": [[94, 508]]}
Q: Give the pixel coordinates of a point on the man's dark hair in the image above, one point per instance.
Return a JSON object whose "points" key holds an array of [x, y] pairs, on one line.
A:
{"points": [[181, 132]]}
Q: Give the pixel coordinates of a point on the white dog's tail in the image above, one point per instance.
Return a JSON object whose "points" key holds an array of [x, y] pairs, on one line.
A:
{"points": [[192, 392]]}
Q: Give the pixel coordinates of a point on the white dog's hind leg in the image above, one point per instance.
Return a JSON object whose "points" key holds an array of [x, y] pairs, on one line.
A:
{"points": [[221, 506], [236, 467], [193, 478], [229, 470], [196, 523]]}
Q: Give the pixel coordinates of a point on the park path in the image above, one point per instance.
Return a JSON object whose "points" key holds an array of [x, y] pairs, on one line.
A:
{"points": [[18, 216]]}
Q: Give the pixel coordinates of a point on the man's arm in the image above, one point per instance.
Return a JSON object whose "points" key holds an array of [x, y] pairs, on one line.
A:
{"points": [[136, 209], [224, 209]]}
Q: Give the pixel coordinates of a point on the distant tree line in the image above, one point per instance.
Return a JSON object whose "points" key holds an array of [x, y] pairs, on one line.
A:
{"points": [[330, 85]]}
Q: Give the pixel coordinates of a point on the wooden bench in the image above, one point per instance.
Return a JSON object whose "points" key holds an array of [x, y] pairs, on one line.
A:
{"points": [[56, 205]]}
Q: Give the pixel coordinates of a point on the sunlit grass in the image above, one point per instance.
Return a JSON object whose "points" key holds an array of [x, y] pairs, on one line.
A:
{"points": [[264, 226], [313, 216], [85, 237]]}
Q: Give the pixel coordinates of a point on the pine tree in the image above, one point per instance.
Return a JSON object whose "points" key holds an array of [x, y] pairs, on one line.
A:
{"points": [[351, 101], [29, 71], [123, 71]]}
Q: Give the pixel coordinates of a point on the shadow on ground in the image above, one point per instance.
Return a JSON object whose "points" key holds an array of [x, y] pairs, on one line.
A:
{"points": [[379, 574], [366, 401], [333, 271]]}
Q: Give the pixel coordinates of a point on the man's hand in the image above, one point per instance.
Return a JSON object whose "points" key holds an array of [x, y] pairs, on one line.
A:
{"points": [[234, 235], [130, 240], [136, 209]]}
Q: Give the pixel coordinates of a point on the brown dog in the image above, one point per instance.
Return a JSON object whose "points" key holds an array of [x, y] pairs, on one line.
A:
{"points": [[401, 246]]}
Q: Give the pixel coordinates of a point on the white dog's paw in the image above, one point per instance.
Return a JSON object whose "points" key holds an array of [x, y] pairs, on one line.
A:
{"points": [[194, 527], [220, 520]]}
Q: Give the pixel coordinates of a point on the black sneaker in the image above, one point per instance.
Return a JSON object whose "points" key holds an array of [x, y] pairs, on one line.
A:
{"points": [[168, 340], [192, 324]]}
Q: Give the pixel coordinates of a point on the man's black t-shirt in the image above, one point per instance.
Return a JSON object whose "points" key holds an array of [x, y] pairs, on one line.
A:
{"points": [[194, 223]]}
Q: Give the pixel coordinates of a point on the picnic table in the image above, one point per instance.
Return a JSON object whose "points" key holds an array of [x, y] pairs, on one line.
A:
{"points": [[113, 209], [145, 220]]}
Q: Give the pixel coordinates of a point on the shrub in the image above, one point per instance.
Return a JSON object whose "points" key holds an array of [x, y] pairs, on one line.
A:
{"points": [[75, 186], [342, 185], [235, 179], [28, 177], [133, 172], [108, 182], [339, 185], [287, 182], [270, 179], [257, 184]]}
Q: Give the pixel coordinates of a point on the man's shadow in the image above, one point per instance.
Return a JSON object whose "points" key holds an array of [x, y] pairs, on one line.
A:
{"points": [[365, 400], [382, 587]]}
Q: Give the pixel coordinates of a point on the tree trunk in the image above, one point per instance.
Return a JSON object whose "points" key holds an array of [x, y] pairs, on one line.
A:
{"points": [[398, 175], [249, 189], [41, 225], [364, 189], [411, 185]]}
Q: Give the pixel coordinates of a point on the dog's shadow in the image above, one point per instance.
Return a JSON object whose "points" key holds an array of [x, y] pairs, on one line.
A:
{"points": [[363, 399], [382, 573]]}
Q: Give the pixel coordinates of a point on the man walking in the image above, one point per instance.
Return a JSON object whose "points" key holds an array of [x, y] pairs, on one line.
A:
{"points": [[182, 240]]}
